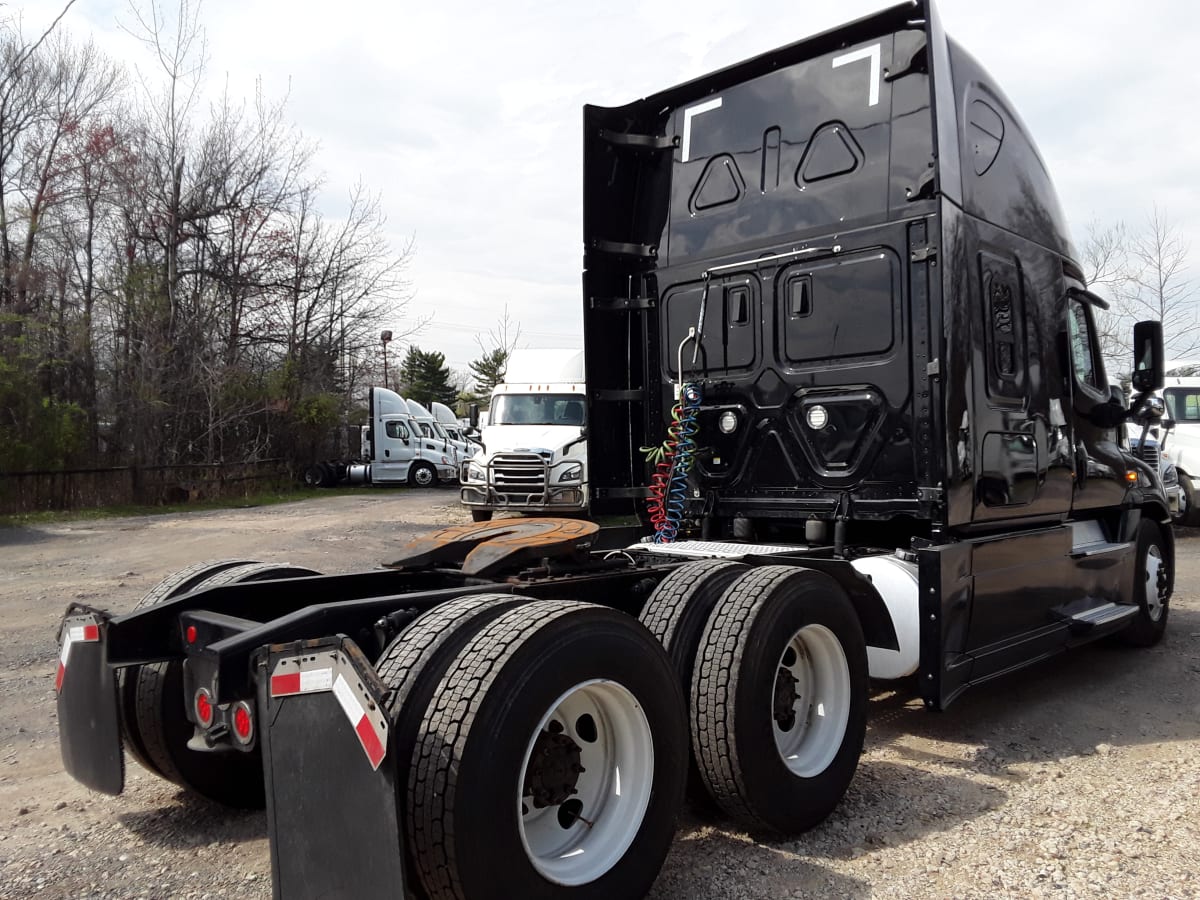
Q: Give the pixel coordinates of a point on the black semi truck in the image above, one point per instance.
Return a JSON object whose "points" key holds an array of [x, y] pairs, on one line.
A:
{"points": [[842, 367]]}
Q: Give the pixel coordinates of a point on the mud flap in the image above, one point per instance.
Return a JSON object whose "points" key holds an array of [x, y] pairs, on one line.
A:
{"points": [[89, 729], [330, 774]]}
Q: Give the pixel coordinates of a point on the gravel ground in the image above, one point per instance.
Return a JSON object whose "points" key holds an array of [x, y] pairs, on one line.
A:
{"points": [[1078, 778]]}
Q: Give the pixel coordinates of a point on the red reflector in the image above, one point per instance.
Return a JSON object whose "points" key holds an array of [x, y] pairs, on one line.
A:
{"points": [[62, 670], [191, 634], [370, 741], [204, 710], [91, 632], [285, 684], [241, 722]]}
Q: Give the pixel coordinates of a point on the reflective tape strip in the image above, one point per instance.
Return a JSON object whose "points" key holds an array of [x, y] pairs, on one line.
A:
{"points": [[86, 634], [371, 743], [307, 682]]}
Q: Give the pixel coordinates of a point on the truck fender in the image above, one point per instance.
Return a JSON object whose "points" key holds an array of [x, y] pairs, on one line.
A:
{"points": [[896, 584]]}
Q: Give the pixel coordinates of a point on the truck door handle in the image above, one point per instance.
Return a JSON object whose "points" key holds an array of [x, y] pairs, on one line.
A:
{"points": [[387, 452]]}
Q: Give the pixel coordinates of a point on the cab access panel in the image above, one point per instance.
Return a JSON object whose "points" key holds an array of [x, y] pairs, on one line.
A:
{"points": [[785, 210]]}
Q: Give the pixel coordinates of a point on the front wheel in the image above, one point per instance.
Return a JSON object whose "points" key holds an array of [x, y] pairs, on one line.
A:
{"points": [[551, 761], [1190, 514], [1151, 588], [779, 698], [422, 474]]}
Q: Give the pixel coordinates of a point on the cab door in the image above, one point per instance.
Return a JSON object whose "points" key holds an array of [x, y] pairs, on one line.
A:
{"points": [[394, 443]]}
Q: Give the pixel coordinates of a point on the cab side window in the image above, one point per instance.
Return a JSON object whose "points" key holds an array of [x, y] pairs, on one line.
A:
{"points": [[396, 430], [1085, 355]]}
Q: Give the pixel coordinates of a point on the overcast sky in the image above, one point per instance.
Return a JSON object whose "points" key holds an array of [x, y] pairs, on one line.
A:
{"points": [[467, 116]]}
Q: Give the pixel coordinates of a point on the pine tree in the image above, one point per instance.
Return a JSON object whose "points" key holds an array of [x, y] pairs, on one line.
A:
{"points": [[489, 371], [425, 377]]}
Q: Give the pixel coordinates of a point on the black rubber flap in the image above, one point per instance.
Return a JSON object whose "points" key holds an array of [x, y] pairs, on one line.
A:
{"points": [[332, 818], [89, 731]]}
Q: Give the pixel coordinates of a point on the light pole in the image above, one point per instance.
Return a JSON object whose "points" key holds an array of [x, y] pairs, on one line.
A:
{"points": [[384, 338]]}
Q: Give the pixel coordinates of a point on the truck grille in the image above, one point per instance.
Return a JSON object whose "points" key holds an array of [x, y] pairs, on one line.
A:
{"points": [[1149, 455], [519, 473]]}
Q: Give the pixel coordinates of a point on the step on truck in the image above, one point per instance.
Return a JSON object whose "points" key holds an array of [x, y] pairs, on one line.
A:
{"points": [[841, 364], [401, 445]]}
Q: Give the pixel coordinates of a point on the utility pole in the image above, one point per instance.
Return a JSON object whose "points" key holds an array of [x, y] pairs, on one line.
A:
{"points": [[385, 337]]}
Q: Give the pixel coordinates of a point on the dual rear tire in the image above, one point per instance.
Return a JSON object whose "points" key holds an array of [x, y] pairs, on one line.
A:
{"points": [[775, 670], [154, 723], [544, 756]]}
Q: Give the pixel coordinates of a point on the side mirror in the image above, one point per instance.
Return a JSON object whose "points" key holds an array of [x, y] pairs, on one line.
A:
{"points": [[1148, 372], [1167, 425], [473, 414], [1116, 395]]}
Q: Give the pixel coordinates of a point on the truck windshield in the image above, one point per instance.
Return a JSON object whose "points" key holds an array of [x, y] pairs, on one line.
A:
{"points": [[1183, 404], [537, 409]]}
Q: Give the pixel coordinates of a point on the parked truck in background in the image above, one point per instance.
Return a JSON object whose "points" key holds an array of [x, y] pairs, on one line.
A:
{"points": [[843, 367], [534, 449], [1181, 445], [396, 447], [455, 430]]}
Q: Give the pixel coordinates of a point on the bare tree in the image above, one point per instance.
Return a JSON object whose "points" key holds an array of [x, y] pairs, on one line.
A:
{"points": [[1158, 287], [1106, 267]]}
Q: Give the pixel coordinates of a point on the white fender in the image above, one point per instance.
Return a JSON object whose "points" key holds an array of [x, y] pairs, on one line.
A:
{"points": [[897, 583]]}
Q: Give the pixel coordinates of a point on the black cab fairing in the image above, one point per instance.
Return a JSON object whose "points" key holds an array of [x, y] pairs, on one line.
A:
{"points": [[786, 209], [869, 246]]}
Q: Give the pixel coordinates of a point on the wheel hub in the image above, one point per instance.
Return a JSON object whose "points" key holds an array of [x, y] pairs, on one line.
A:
{"points": [[784, 706], [554, 768]]}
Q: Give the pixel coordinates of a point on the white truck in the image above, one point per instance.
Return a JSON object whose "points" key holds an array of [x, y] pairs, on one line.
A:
{"points": [[395, 448], [454, 430], [1181, 444], [534, 455]]}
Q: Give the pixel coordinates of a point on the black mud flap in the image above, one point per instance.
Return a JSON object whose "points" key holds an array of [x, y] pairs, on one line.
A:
{"points": [[89, 729], [330, 773]]}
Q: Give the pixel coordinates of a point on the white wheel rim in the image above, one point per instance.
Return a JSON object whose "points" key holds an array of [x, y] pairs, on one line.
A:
{"points": [[1154, 564], [815, 659], [614, 788], [424, 477]]}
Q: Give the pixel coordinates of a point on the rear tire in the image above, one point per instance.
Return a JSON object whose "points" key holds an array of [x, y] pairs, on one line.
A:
{"points": [[597, 697], [422, 474], [313, 476], [230, 777], [1151, 588], [678, 610], [181, 582], [481, 515], [412, 667], [779, 699], [676, 614]]}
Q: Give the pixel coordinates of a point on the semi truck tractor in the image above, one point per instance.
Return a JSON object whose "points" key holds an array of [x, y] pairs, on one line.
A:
{"points": [[454, 430], [1181, 445], [845, 393], [397, 447], [534, 454]]}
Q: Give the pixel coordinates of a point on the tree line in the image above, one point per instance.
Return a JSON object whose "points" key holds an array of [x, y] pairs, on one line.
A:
{"points": [[169, 289]]}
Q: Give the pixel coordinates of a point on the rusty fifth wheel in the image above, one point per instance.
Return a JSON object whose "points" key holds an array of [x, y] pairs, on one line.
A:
{"points": [[551, 761]]}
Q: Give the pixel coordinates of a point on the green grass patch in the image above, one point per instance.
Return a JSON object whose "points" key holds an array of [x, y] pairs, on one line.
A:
{"points": [[262, 498]]}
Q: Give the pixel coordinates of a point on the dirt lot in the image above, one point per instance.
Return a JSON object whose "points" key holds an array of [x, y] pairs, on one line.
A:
{"points": [[1080, 778]]}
